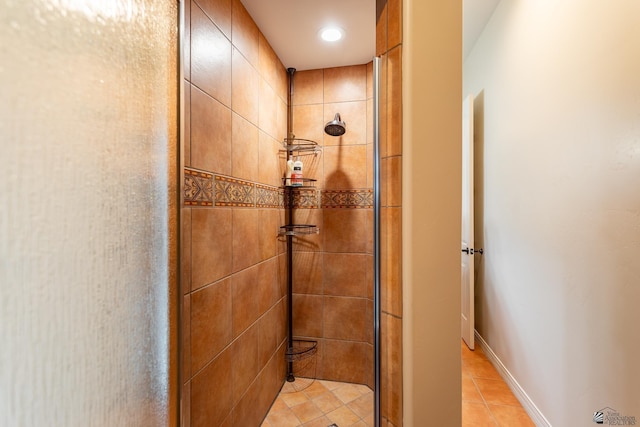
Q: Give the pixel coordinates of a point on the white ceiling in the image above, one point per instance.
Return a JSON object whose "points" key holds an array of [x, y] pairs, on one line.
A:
{"points": [[292, 26]]}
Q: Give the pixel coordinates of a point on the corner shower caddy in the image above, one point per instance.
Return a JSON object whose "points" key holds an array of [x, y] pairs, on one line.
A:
{"points": [[297, 349]]}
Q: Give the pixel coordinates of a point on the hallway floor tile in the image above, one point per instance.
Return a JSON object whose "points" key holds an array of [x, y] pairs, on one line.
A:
{"points": [[486, 398]]}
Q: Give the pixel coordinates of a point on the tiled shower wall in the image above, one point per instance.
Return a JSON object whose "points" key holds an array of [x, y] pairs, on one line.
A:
{"points": [[234, 303], [233, 264], [332, 271], [389, 48]]}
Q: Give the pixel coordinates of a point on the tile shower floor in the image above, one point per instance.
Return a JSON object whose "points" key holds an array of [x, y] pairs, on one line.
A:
{"points": [[486, 401], [322, 404]]}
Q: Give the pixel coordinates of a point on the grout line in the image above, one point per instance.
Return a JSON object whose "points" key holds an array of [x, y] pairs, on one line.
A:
{"points": [[486, 405]]}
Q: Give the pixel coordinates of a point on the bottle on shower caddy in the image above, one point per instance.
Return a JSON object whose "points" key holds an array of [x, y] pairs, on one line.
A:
{"points": [[296, 175], [288, 173]]}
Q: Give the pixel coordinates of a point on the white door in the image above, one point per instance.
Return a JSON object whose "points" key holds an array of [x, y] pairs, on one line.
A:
{"points": [[467, 222]]}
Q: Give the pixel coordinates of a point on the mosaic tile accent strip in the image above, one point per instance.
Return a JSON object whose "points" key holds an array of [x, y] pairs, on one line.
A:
{"points": [[267, 197], [347, 199], [198, 188], [207, 189], [304, 199], [233, 192]]}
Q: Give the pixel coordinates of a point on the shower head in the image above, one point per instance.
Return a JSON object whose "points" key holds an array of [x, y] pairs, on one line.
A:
{"points": [[335, 127]]}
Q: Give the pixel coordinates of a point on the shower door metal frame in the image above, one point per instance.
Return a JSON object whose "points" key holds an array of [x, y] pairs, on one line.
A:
{"points": [[376, 242]]}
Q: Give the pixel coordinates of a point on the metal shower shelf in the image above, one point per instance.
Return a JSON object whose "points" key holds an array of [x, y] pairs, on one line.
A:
{"points": [[298, 229], [300, 145], [301, 349], [306, 183]]}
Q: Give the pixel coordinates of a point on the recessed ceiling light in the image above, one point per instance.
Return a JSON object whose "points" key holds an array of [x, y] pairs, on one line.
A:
{"points": [[331, 34]]}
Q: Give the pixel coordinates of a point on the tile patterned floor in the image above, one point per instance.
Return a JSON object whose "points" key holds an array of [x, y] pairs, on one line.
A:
{"points": [[486, 398], [486, 401], [322, 404]]}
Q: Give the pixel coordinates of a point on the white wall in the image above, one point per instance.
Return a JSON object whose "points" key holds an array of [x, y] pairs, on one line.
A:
{"points": [[88, 169], [559, 178]]}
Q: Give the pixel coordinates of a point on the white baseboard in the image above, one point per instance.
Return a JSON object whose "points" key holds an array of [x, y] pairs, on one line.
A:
{"points": [[536, 416]]}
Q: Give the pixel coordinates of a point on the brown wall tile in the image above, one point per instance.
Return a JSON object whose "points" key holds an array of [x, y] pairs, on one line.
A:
{"points": [[394, 255], [210, 57], [394, 36], [307, 315], [383, 101], [211, 397], [268, 115], [219, 11], [344, 230], [186, 45], [245, 231], [210, 139], [308, 87], [308, 122], [281, 314], [344, 318], [245, 305], [370, 80], [245, 87], [369, 235], [187, 124], [272, 70], [186, 405], [268, 335], [245, 34], [244, 149], [369, 279], [270, 163], [394, 102], [345, 84], [185, 261], [345, 361], [393, 335], [267, 286], [308, 270], [267, 238], [210, 322], [246, 363], [384, 181], [370, 177], [394, 177], [345, 167], [311, 242], [210, 247], [368, 324], [255, 403], [345, 274], [186, 337]]}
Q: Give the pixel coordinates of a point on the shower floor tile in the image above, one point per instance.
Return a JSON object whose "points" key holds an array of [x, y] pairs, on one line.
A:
{"points": [[322, 404]]}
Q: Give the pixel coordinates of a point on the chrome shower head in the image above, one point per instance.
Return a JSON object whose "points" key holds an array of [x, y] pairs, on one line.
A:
{"points": [[335, 127]]}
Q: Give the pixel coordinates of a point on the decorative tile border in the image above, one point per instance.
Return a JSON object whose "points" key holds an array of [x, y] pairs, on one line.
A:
{"points": [[347, 199], [267, 197], [304, 199], [203, 188], [198, 188], [233, 192]]}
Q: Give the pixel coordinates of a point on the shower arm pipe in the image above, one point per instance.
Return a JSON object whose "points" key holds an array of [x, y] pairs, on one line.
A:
{"points": [[290, 135]]}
